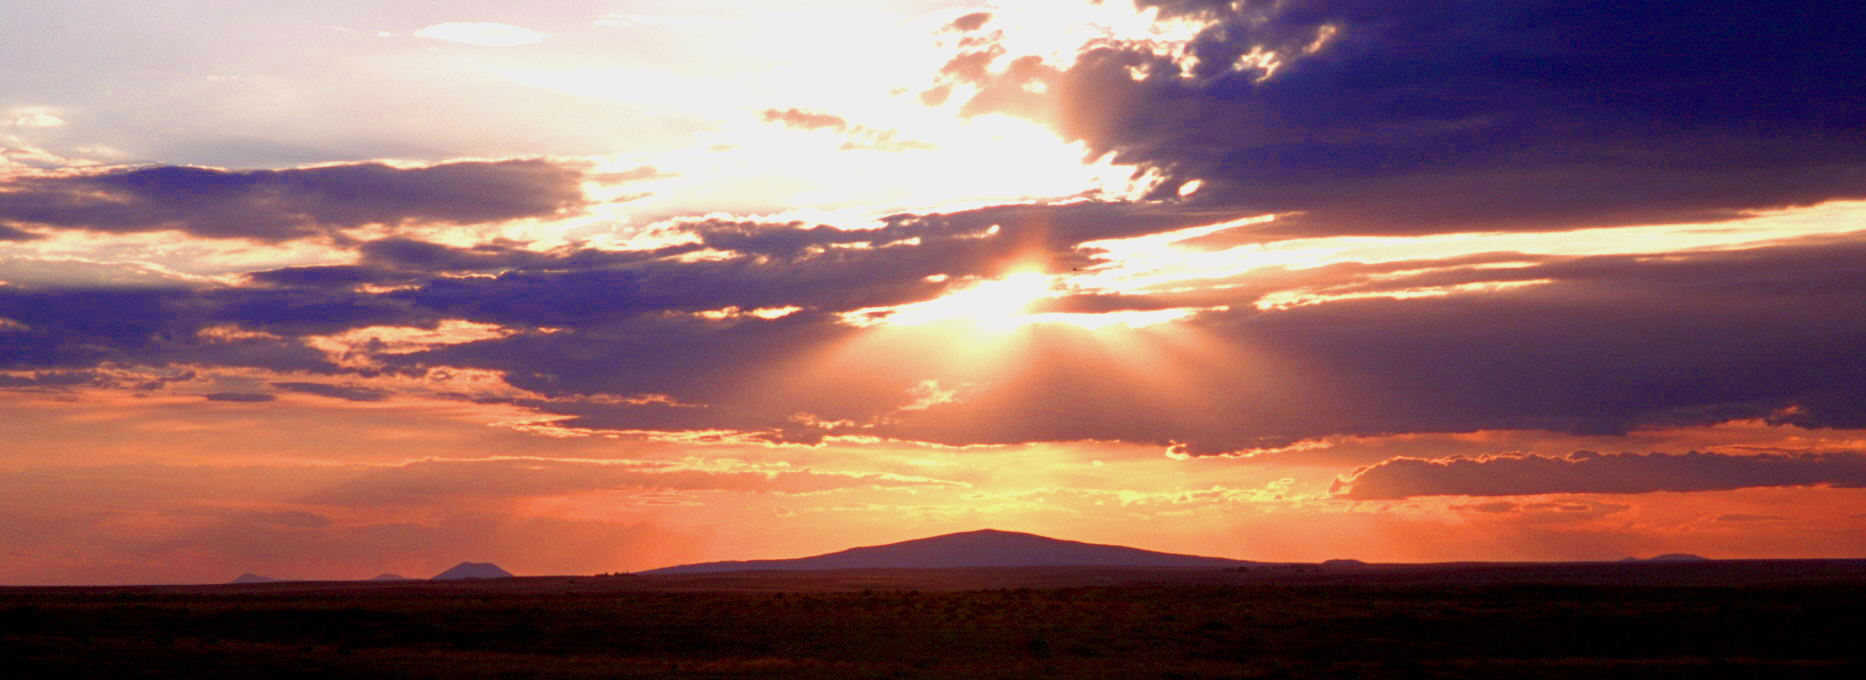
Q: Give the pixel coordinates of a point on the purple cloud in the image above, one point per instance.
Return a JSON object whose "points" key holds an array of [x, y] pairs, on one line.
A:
{"points": [[281, 205], [1589, 472], [1370, 117]]}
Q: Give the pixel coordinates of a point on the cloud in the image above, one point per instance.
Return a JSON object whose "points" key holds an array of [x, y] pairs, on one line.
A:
{"points": [[75, 328], [1493, 507], [52, 379], [1589, 472], [114, 377], [26, 118], [65, 272], [1596, 345], [246, 397], [1544, 512], [8, 233], [482, 33], [344, 392], [1740, 517], [430, 481], [854, 136], [297, 519], [1607, 345], [970, 22], [1371, 118], [281, 205], [800, 119]]}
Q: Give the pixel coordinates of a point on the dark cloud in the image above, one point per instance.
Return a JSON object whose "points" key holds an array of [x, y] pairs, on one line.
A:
{"points": [[1407, 118], [53, 379], [247, 397], [396, 260], [144, 327], [970, 22], [281, 205], [800, 119], [306, 311], [986, 241], [8, 233], [1597, 345], [81, 328], [778, 263], [1607, 345], [1441, 116], [339, 275], [344, 392], [751, 375], [117, 377], [1589, 472], [591, 297]]}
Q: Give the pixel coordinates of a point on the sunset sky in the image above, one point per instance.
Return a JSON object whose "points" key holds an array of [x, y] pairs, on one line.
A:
{"points": [[324, 290]]}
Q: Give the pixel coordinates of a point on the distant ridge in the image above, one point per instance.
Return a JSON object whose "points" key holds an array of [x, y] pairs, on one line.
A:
{"points": [[1670, 557], [982, 548], [391, 577], [471, 570], [250, 577]]}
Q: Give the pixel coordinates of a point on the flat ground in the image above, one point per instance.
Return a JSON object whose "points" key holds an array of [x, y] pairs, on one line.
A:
{"points": [[1649, 620]]}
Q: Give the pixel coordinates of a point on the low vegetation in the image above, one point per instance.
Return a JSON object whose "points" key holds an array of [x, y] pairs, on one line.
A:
{"points": [[1360, 631]]}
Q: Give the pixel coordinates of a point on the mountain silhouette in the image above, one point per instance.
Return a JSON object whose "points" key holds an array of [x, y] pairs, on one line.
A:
{"points": [[386, 576], [250, 577], [1677, 557], [982, 548], [469, 570]]}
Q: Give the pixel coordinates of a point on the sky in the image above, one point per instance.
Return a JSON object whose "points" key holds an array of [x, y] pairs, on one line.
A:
{"points": [[326, 291]]}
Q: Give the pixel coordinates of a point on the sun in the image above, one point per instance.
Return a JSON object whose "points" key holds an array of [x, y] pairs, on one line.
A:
{"points": [[997, 304]]}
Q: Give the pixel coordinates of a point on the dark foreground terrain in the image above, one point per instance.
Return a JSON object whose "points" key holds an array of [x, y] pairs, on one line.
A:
{"points": [[1748, 619]]}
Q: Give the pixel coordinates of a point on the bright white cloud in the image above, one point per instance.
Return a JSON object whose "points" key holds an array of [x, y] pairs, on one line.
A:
{"points": [[30, 118], [482, 33]]}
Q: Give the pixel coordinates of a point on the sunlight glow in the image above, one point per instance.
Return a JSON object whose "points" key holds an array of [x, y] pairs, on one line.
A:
{"points": [[355, 347], [1129, 318], [994, 304], [1003, 304], [1286, 299], [766, 313], [1193, 257]]}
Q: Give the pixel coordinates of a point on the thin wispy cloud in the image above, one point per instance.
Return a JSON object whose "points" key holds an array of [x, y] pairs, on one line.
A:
{"points": [[482, 33]]}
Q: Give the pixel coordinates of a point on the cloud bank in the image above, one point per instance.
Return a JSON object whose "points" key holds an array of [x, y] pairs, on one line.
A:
{"points": [[1369, 117], [281, 205], [1300, 121], [1589, 472]]}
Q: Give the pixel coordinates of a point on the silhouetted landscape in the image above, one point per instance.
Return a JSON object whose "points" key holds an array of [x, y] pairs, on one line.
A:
{"points": [[1340, 619], [471, 570], [982, 548]]}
